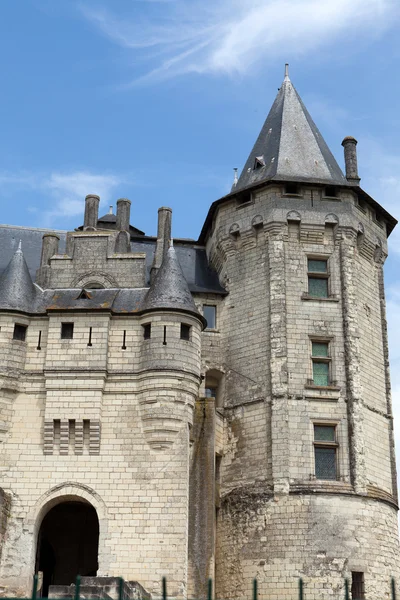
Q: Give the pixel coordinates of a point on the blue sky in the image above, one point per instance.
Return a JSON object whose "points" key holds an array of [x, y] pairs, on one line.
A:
{"points": [[158, 100]]}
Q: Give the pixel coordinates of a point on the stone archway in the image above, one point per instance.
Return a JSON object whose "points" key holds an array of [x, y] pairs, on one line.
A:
{"points": [[67, 543]]}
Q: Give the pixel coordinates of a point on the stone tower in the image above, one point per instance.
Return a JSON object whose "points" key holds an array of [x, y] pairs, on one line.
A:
{"points": [[213, 408]]}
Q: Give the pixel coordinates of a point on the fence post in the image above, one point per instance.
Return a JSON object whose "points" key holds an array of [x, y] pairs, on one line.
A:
{"points": [[255, 592], [346, 589], [301, 589], [77, 587], [209, 590], [164, 588], [34, 588], [120, 588], [393, 586]]}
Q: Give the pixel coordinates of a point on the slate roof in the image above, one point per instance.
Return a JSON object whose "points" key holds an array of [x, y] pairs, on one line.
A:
{"points": [[192, 257], [17, 291], [170, 289], [290, 146]]}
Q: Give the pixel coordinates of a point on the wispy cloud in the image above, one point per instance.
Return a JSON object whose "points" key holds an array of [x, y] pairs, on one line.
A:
{"points": [[65, 190], [231, 36]]}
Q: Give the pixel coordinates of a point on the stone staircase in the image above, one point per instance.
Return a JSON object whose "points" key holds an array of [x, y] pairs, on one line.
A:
{"points": [[101, 588]]}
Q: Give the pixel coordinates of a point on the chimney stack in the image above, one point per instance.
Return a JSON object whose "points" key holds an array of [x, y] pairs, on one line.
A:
{"points": [[163, 238], [91, 212], [49, 248], [123, 214], [350, 158]]}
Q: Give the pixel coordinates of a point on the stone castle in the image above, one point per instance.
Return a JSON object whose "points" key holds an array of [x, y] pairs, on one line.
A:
{"points": [[214, 408]]}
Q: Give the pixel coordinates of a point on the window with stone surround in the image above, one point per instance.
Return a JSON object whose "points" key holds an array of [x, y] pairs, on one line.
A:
{"points": [[321, 363], [210, 315], [19, 332], [67, 331], [185, 332], [325, 451], [146, 331], [318, 277], [357, 585]]}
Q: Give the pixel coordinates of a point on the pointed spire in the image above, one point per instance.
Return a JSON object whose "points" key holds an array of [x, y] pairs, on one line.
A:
{"points": [[290, 145], [286, 72], [17, 291], [169, 289]]}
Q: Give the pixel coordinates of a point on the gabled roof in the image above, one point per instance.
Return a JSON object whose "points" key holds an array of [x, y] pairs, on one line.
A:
{"points": [[17, 291], [290, 147], [170, 289]]}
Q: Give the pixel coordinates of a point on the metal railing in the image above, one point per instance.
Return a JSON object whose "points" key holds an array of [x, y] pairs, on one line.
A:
{"points": [[301, 594]]}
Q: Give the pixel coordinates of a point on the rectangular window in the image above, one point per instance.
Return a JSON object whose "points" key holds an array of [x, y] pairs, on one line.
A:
{"points": [[19, 332], [325, 449], [146, 331], [318, 277], [67, 331], [210, 315], [357, 586], [320, 363], [185, 332]]}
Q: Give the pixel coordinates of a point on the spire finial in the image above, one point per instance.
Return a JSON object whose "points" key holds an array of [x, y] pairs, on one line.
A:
{"points": [[235, 176], [286, 72]]}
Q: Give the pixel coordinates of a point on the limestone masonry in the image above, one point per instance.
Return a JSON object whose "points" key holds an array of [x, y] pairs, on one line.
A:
{"points": [[214, 408]]}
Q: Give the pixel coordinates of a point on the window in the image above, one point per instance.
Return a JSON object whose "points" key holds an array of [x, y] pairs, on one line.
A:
{"points": [[185, 332], [146, 331], [67, 331], [320, 363], [330, 191], [211, 392], [210, 315], [318, 278], [259, 162], [357, 586], [19, 332], [292, 189], [325, 449]]}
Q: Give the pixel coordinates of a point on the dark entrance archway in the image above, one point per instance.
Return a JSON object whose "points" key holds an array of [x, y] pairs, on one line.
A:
{"points": [[67, 544]]}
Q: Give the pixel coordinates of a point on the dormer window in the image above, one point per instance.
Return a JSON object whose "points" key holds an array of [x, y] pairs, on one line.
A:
{"points": [[292, 189], [259, 162], [84, 295], [331, 191]]}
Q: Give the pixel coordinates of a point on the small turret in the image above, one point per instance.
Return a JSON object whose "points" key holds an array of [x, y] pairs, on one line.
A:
{"points": [[17, 291], [170, 354], [170, 290]]}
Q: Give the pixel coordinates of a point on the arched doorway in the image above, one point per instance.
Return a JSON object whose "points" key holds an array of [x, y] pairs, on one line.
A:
{"points": [[67, 543]]}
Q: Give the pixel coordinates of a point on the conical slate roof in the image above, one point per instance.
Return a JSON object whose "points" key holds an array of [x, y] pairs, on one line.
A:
{"points": [[290, 146], [17, 291], [169, 289]]}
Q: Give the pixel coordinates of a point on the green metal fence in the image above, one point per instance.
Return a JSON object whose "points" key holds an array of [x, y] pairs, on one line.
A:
{"points": [[301, 593]]}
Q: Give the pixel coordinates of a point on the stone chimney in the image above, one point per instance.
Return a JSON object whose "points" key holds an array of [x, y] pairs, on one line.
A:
{"points": [[123, 214], [350, 158], [91, 212], [49, 248], [163, 238], [123, 241]]}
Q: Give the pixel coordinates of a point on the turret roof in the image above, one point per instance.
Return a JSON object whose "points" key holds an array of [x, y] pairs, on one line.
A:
{"points": [[169, 289], [17, 291], [290, 146]]}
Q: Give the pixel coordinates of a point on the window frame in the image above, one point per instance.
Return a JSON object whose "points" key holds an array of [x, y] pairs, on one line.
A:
{"points": [[20, 327], [319, 275], [315, 359], [71, 326], [186, 332], [214, 306], [326, 444], [146, 331]]}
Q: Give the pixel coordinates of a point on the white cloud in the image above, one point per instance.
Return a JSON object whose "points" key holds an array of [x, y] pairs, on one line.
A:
{"points": [[230, 36], [65, 190]]}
